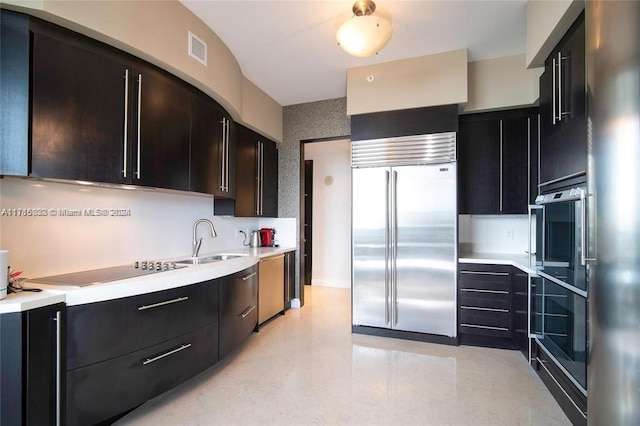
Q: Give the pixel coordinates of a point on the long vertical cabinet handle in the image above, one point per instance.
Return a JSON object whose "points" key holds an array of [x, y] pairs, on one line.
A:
{"points": [[226, 188], [538, 186], [553, 91], [559, 86], [138, 173], [224, 123], [583, 230], [126, 122], [225, 155], [261, 177], [529, 163], [394, 252], [258, 178], [501, 162], [58, 321], [387, 224]]}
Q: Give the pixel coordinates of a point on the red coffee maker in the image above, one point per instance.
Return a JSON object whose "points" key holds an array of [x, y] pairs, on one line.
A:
{"points": [[267, 237]]}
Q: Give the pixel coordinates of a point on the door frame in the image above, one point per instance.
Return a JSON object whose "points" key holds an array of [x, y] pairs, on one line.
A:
{"points": [[302, 209]]}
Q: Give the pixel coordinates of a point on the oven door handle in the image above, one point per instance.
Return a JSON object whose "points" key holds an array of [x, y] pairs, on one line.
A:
{"points": [[583, 217]]}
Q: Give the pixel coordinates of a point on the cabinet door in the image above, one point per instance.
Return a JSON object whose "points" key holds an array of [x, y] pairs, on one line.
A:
{"points": [[478, 166], [15, 57], [520, 282], [161, 138], [534, 157], [206, 146], [30, 357], [269, 191], [246, 173], [563, 145], [44, 354], [78, 107], [238, 309], [515, 167]]}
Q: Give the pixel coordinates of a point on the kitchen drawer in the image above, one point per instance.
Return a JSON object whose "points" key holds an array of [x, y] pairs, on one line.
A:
{"points": [[485, 318], [498, 281], [104, 330], [484, 300], [101, 391], [484, 330], [238, 309], [484, 323]]}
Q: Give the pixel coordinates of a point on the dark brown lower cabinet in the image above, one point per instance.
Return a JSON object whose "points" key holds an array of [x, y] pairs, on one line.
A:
{"points": [[103, 390], [152, 342], [31, 357], [238, 309], [492, 306]]}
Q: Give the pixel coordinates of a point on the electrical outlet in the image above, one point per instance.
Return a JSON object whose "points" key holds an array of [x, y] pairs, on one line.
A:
{"points": [[509, 234]]}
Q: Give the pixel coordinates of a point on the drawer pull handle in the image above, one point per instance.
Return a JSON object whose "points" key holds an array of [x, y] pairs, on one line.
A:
{"points": [[167, 302], [171, 352], [247, 311], [246, 277], [485, 327], [500, 274], [477, 308], [474, 290]]}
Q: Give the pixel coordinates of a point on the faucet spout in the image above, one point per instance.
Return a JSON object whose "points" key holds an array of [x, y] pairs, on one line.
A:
{"points": [[198, 241]]}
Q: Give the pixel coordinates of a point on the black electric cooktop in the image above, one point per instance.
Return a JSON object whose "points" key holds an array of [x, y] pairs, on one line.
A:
{"points": [[99, 276]]}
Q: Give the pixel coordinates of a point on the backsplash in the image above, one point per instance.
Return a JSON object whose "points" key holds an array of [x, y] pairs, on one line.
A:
{"points": [[493, 234], [52, 228]]}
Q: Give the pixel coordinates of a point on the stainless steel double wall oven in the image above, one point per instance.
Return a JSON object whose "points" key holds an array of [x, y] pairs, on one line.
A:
{"points": [[559, 309]]}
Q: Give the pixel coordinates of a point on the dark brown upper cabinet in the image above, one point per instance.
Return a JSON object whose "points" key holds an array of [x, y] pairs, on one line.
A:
{"points": [[496, 171], [257, 175], [101, 115], [213, 149], [563, 124]]}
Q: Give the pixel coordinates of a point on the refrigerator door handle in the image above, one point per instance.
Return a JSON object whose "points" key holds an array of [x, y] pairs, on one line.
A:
{"points": [[387, 215], [394, 248]]}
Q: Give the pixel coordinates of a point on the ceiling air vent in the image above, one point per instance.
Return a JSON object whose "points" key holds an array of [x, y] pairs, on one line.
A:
{"points": [[197, 48]]}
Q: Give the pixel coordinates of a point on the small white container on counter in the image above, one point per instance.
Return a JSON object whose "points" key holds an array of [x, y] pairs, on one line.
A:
{"points": [[4, 273]]}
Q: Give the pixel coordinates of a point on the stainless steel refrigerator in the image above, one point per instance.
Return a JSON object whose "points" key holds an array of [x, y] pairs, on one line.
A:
{"points": [[404, 221], [613, 107]]}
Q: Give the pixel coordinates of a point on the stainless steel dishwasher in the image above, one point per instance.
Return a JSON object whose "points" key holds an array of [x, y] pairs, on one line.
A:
{"points": [[270, 287]]}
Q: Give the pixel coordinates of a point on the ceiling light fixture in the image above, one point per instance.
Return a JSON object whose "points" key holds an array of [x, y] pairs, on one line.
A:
{"points": [[364, 34]]}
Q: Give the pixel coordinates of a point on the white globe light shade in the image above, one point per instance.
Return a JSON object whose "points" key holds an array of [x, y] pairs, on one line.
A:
{"points": [[364, 36]]}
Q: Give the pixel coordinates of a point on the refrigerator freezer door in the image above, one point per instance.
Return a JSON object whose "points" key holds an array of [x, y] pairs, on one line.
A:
{"points": [[371, 304], [424, 297]]}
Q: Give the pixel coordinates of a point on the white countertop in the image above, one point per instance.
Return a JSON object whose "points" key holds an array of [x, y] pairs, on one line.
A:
{"points": [[24, 301], [192, 274], [520, 261]]}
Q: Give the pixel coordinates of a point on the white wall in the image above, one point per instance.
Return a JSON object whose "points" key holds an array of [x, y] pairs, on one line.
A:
{"points": [[547, 22], [331, 212], [408, 83], [502, 83], [159, 227], [493, 234]]}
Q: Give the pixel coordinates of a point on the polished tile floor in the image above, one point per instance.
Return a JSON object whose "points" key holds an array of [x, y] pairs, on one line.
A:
{"points": [[306, 368]]}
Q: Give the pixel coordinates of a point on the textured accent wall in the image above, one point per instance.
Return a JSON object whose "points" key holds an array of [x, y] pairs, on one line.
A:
{"points": [[314, 120]]}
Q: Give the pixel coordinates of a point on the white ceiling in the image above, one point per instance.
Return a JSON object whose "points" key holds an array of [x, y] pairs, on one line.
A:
{"points": [[289, 50]]}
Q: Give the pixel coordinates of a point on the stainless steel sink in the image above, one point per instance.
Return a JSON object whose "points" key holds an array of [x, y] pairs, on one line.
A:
{"points": [[208, 259]]}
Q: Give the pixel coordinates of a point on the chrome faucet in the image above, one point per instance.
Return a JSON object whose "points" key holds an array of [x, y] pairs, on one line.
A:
{"points": [[198, 241]]}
